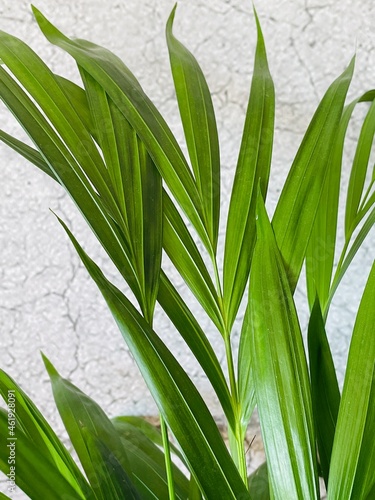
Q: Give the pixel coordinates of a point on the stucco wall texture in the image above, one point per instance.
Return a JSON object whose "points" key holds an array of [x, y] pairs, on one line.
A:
{"points": [[47, 300]]}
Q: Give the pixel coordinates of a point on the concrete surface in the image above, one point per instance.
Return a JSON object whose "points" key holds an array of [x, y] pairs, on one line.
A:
{"points": [[47, 301]]}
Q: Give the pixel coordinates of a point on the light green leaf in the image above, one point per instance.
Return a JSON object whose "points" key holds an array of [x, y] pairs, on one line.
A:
{"points": [[299, 200], [40, 83], [36, 475], [192, 424], [253, 166], [198, 119], [282, 386], [40, 435], [352, 444], [325, 393]]}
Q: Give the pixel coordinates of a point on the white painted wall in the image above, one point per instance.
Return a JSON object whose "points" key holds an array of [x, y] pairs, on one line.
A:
{"points": [[47, 301]]}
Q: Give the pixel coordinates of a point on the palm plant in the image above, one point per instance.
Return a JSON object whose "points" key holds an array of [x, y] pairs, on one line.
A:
{"points": [[112, 151]]}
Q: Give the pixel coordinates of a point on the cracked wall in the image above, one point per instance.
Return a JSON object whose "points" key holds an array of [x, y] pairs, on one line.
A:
{"points": [[47, 301]]}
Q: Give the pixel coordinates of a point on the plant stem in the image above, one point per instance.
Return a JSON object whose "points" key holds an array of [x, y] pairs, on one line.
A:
{"points": [[167, 455]]}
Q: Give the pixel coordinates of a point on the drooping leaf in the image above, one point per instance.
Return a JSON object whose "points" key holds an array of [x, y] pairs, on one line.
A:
{"points": [[353, 445], [192, 425], [253, 166], [282, 386], [299, 200], [198, 120], [325, 393]]}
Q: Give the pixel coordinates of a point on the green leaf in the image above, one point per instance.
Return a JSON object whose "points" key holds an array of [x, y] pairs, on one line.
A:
{"points": [[325, 393], [258, 483], [282, 386], [359, 169], [69, 174], [185, 256], [147, 459], [36, 475], [41, 84], [353, 445], [196, 340], [245, 376], [253, 166], [198, 119], [111, 479], [141, 113], [82, 417], [356, 245], [137, 186], [299, 200], [177, 398], [27, 152], [4, 497], [40, 435]]}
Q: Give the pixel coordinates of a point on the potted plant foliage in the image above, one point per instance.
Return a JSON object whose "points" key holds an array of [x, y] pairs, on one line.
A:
{"points": [[108, 146]]}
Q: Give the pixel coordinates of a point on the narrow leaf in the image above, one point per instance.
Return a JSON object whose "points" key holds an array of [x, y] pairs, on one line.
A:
{"points": [[198, 120], [253, 166], [299, 200], [40, 435], [359, 169]]}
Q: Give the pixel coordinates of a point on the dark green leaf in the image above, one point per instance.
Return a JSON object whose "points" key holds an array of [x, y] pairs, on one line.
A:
{"points": [[325, 393], [111, 479], [147, 459], [258, 483]]}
